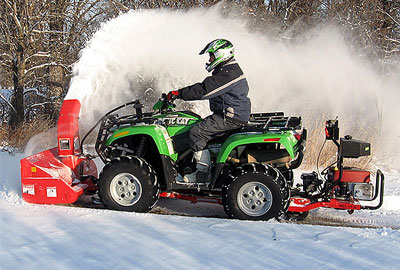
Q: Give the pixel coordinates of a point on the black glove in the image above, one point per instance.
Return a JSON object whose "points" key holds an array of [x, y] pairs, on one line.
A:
{"points": [[172, 95]]}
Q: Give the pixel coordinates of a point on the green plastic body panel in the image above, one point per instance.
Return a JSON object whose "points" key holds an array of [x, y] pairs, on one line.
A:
{"points": [[157, 132], [174, 127], [160, 134], [287, 139]]}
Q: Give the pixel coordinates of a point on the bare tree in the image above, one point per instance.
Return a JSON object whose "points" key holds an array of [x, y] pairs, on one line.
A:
{"points": [[126, 5], [372, 24], [15, 53], [39, 41]]}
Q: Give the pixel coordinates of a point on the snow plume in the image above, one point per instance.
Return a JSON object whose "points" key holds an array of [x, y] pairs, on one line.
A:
{"points": [[41, 142], [317, 76]]}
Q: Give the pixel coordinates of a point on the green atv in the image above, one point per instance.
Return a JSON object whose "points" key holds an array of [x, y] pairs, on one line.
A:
{"points": [[145, 155]]}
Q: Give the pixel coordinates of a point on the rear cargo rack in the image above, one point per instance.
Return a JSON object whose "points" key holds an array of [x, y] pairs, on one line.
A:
{"points": [[275, 121]]}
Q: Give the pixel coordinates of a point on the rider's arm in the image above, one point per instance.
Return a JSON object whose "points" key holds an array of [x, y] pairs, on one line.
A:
{"points": [[214, 85]]}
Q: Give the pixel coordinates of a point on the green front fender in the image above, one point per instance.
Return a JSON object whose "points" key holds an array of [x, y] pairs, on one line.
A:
{"points": [[158, 133], [285, 138]]}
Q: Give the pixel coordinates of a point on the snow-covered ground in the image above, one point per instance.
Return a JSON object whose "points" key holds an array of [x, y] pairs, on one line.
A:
{"points": [[62, 237]]}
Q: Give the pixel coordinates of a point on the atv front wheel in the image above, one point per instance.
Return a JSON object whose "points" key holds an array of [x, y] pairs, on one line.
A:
{"points": [[253, 192], [128, 184]]}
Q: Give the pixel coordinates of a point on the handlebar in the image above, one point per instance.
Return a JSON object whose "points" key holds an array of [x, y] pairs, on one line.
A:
{"points": [[164, 105]]}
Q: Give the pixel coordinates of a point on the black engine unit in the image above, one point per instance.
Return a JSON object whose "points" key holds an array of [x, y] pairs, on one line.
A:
{"points": [[310, 182], [350, 148]]}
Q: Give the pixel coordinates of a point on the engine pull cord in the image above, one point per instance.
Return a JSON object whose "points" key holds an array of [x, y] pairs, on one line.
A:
{"points": [[319, 155]]}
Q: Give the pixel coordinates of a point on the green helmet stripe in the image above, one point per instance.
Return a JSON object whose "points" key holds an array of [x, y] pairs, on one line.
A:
{"points": [[222, 49]]}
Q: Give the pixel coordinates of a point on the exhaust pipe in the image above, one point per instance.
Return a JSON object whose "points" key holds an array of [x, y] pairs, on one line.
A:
{"points": [[61, 174]]}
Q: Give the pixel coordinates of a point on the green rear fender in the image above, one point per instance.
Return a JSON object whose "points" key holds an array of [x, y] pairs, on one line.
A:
{"points": [[158, 133], [286, 139]]}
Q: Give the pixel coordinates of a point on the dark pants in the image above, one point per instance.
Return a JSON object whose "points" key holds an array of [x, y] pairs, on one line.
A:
{"points": [[212, 126]]}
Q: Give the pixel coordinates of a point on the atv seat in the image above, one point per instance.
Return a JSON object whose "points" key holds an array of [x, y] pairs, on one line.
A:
{"points": [[223, 136]]}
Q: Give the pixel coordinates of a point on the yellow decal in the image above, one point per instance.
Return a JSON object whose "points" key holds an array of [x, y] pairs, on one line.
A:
{"points": [[119, 134], [33, 169]]}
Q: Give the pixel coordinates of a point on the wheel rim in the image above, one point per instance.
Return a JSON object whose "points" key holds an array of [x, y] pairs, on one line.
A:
{"points": [[254, 199], [125, 189]]}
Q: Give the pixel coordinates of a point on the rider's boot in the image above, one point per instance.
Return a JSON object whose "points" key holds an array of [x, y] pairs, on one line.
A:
{"points": [[203, 168]]}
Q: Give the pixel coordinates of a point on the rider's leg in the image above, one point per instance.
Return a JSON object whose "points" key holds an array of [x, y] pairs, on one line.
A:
{"points": [[211, 127]]}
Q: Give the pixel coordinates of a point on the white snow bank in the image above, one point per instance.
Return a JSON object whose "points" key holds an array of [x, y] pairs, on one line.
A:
{"points": [[55, 237], [10, 177]]}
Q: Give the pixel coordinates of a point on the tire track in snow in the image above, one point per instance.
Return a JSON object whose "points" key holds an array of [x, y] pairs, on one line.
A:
{"points": [[322, 217]]}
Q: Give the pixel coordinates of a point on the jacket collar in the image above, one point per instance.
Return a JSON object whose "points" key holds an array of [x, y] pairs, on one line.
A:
{"points": [[227, 63]]}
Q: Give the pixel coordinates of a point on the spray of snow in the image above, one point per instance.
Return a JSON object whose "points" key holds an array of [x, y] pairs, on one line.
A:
{"points": [[41, 142], [317, 76]]}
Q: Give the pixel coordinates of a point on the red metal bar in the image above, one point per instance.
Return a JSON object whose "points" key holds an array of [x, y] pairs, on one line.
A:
{"points": [[304, 205], [191, 198]]}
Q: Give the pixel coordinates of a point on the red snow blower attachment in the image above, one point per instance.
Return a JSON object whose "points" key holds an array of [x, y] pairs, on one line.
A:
{"points": [[61, 174]]}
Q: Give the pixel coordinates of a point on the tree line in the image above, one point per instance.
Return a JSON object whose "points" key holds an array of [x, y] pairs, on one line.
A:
{"points": [[40, 40]]}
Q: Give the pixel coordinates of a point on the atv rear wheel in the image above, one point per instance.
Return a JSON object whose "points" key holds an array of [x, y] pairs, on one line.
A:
{"points": [[128, 184], [253, 192]]}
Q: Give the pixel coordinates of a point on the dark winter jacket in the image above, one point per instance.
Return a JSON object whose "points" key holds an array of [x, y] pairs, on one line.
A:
{"points": [[227, 91]]}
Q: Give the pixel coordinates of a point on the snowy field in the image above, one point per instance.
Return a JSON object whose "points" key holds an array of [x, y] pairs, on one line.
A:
{"points": [[195, 237]]}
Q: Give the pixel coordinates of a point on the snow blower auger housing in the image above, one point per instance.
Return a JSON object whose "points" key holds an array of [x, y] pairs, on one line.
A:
{"points": [[61, 174]]}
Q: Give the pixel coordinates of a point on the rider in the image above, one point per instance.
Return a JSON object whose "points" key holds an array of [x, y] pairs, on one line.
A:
{"points": [[227, 90]]}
